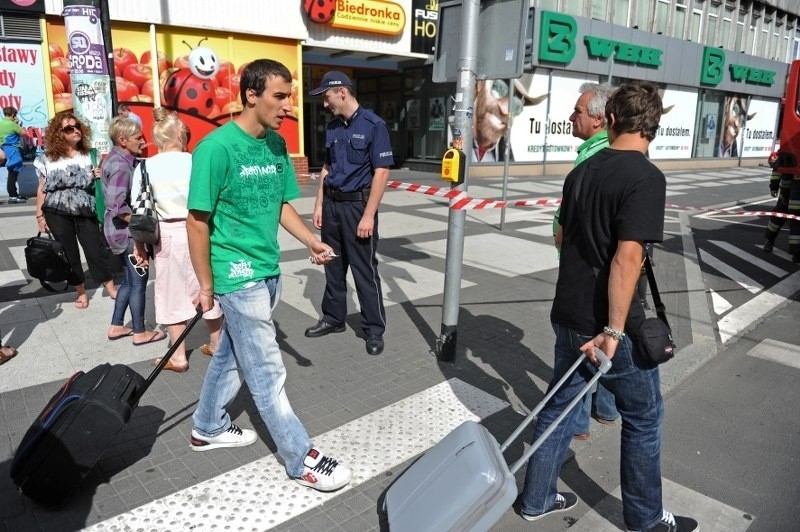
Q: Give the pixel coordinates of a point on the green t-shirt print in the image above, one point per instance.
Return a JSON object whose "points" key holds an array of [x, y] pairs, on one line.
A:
{"points": [[242, 182]]}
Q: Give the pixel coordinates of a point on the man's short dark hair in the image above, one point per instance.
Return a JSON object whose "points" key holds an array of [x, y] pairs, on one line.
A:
{"points": [[637, 108], [257, 73]]}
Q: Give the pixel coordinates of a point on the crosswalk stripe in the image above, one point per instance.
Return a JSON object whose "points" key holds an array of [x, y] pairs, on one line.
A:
{"points": [[780, 254], [752, 259], [776, 351], [732, 273], [721, 305], [740, 318], [259, 495], [711, 514]]}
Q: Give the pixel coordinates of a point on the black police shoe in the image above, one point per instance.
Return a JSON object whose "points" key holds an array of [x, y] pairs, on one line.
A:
{"points": [[375, 344], [322, 328]]}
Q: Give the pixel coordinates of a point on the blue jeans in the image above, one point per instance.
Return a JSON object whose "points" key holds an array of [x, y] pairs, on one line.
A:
{"points": [[248, 343], [131, 293], [600, 403], [637, 390]]}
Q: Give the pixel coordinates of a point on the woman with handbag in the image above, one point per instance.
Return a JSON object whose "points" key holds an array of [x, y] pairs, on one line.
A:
{"points": [[117, 168], [65, 201], [176, 285]]}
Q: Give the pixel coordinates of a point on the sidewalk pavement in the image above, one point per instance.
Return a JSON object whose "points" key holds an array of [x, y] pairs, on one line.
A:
{"points": [[361, 406]]}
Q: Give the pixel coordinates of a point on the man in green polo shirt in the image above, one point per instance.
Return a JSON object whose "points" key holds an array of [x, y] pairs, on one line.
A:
{"points": [[589, 123]]}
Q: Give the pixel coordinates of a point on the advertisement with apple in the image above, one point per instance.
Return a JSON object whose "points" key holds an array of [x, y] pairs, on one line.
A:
{"points": [[198, 74], [21, 72]]}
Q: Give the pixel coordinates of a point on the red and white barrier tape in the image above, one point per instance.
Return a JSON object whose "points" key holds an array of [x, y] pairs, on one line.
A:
{"points": [[460, 201]]}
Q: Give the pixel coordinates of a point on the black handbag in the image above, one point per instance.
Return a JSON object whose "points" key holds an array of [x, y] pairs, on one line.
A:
{"points": [[653, 336], [143, 226], [47, 261]]}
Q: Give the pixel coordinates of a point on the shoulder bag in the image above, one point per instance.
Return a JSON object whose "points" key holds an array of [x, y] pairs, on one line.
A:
{"points": [[653, 336], [144, 219]]}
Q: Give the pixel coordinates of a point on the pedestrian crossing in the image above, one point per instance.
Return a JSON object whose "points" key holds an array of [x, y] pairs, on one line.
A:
{"points": [[745, 284], [258, 496]]}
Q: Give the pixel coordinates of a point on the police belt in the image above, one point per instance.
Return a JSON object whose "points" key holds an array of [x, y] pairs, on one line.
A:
{"points": [[338, 195]]}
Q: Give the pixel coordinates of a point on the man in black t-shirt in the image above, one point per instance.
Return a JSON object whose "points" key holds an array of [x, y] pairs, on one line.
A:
{"points": [[612, 205]]}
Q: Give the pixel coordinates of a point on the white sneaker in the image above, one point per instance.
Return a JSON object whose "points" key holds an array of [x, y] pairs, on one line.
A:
{"points": [[323, 473], [233, 437]]}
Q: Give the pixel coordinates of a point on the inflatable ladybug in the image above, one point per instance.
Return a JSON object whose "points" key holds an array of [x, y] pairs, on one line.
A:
{"points": [[320, 11], [189, 93]]}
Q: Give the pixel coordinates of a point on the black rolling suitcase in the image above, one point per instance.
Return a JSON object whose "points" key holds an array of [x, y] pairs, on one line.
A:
{"points": [[77, 426]]}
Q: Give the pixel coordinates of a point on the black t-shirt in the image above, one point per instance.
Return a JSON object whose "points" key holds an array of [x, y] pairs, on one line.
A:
{"points": [[612, 196]]}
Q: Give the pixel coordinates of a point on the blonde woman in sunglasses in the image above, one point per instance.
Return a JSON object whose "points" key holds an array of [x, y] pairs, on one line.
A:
{"points": [[65, 202]]}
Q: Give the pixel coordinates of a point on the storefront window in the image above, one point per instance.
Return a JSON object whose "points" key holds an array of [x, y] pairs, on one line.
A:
{"points": [[548, 5], [708, 122], [574, 7], [599, 9], [725, 34], [738, 45], [679, 22], [643, 15], [662, 16], [621, 13], [711, 31]]}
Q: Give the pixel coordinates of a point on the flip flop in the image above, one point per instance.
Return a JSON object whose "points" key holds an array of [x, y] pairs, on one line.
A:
{"points": [[172, 367], [157, 337], [118, 336], [82, 304], [7, 353]]}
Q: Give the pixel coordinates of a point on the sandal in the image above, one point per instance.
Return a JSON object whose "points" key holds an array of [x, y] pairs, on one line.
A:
{"points": [[7, 353], [156, 337], [172, 367], [82, 302], [206, 350]]}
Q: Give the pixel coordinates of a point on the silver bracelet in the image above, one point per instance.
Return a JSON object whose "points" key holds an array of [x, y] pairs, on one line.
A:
{"points": [[613, 333]]}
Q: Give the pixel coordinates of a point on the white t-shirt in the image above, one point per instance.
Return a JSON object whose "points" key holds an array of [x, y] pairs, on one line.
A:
{"points": [[169, 174]]}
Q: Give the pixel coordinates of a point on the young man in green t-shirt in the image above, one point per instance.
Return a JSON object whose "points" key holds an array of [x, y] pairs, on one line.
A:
{"points": [[242, 180]]}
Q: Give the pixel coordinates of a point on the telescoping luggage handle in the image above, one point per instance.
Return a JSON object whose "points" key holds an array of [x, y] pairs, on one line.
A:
{"points": [[165, 358], [605, 365]]}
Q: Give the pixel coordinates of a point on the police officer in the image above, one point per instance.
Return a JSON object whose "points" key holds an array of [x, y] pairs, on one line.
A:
{"points": [[357, 161]]}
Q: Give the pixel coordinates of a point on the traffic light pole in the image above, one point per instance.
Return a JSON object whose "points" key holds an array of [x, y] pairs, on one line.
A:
{"points": [[462, 138]]}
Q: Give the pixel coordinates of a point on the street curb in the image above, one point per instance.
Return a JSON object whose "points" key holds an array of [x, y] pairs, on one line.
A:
{"points": [[704, 340]]}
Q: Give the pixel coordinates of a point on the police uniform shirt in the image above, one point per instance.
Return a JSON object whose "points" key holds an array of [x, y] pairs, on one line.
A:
{"points": [[355, 148]]}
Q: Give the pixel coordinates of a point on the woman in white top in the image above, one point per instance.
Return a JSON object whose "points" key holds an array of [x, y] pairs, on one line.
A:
{"points": [[176, 284]]}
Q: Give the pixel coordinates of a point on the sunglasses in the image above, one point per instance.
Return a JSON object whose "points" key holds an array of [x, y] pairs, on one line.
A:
{"points": [[500, 90], [70, 129], [141, 271]]}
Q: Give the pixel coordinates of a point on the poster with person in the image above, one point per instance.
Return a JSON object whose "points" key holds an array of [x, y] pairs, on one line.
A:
{"points": [[734, 115]]}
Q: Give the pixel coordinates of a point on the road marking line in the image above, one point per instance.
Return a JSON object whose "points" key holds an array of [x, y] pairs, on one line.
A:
{"points": [[778, 253], [721, 305], [752, 259], [260, 496], [776, 351], [711, 514], [741, 318], [730, 272]]}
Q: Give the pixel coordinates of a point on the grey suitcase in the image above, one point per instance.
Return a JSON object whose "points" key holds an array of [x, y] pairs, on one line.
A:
{"points": [[463, 482]]}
